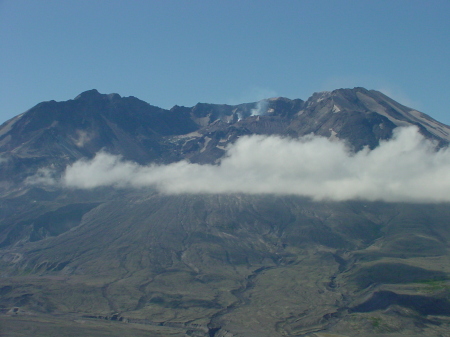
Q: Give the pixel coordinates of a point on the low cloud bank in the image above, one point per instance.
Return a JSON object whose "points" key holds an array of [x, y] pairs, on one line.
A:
{"points": [[405, 168]]}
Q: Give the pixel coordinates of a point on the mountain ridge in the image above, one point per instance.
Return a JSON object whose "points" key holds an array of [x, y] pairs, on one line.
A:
{"points": [[79, 128]]}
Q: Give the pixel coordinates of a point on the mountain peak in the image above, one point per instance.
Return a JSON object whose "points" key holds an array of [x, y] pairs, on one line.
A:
{"points": [[338, 92], [89, 94], [355, 89]]}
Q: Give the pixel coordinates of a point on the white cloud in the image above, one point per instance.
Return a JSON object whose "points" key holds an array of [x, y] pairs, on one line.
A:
{"points": [[405, 168]]}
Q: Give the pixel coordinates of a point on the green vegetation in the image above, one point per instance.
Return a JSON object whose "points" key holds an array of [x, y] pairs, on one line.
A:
{"points": [[435, 285], [394, 273], [376, 322]]}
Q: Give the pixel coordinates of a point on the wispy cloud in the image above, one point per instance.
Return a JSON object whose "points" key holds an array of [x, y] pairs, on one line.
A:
{"points": [[405, 168], [44, 176], [253, 94], [399, 95], [260, 108], [83, 138]]}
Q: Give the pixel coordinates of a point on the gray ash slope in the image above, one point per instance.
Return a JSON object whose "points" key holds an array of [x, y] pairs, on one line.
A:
{"points": [[216, 265]]}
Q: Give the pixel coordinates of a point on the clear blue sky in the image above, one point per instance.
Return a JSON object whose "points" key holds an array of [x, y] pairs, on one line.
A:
{"points": [[183, 52]]}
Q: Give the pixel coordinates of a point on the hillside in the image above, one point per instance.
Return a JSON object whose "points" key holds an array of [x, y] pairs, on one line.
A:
{"points": [[126, 257]]}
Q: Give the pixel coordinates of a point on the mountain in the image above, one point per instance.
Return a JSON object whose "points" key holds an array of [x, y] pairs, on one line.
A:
{"points": [[59, 133], [124, 261]]}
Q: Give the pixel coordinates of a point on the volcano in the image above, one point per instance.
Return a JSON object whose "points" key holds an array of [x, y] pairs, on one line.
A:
{"points": [[111, 254]]}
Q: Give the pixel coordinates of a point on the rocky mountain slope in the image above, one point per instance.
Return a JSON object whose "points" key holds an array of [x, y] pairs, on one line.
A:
{"points": [[117, 261], [59, 133]]}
